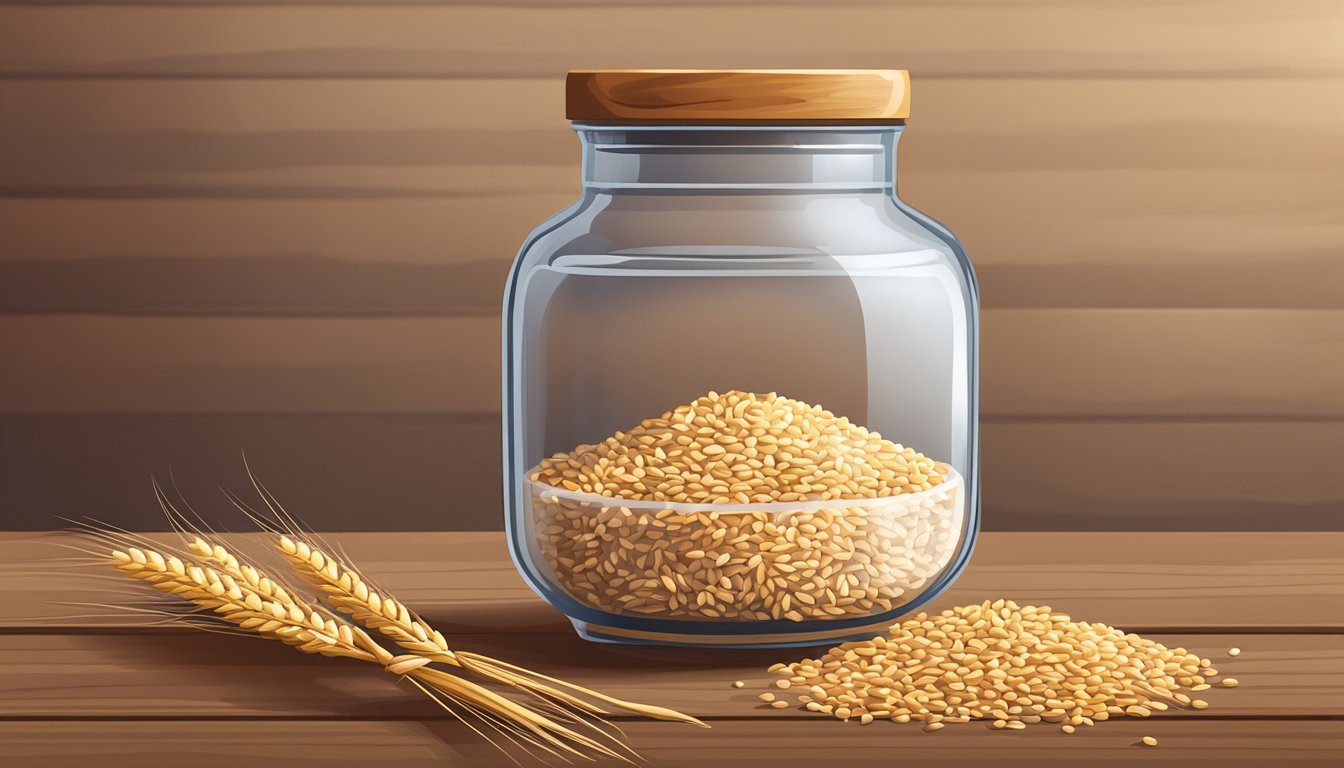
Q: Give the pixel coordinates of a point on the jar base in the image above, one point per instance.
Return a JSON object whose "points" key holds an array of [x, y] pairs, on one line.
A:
{"points": [[619, 636]]}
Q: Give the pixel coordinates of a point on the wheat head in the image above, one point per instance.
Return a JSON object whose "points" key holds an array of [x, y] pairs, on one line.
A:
{"points": [[245, 597], [343, 588], [345, 591], [286, 621]]}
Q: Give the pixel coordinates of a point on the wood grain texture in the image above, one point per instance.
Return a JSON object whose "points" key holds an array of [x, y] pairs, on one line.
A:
{"points": [[154, 675], [1036, 363], [423, 232], [439, 743], [449, 255], [251, 365], [408, 472], [442, 472], [1026, 38], [1131, 475], [1146, 142], [1156, 203], [1169, 582]]}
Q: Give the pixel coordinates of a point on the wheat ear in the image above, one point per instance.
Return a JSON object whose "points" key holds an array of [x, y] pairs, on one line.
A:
{"points": [[310, 632], [343, 588], [290, 621], [345, 591]]}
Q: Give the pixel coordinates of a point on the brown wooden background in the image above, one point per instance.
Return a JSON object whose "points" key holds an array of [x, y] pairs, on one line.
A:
{"points": [[283, 227]]}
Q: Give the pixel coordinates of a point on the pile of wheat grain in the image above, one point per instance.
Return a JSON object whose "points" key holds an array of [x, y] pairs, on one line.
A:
{"points": [[637, 524], [1010, 665], [743, 448]]}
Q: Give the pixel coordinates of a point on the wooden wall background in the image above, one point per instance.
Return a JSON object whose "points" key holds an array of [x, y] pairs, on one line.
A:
{"points": [[283, 227]]}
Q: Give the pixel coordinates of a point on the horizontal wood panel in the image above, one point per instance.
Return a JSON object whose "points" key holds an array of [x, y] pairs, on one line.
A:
{"points": [[1146, 476], [1172, 582], [300, 285], [449, 255], [340, 137], [440, 743], [163, 675], [451, 230], [247, 365], [428, 472], [1025, 38], [421, 231], [1162, 362], [1054, 363]]}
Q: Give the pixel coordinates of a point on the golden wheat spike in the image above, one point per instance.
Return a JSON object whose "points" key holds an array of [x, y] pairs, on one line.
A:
{"points": [[245, 597], [343, 588]]}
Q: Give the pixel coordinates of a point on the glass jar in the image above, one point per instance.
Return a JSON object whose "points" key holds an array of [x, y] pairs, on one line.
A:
{"points": [[738, 235]]}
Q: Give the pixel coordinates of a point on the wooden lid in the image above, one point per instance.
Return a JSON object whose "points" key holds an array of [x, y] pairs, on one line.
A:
{"points": [[737, 95]]}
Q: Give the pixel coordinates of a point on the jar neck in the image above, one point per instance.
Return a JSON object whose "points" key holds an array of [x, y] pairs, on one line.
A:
{"points": [[762, 158]]}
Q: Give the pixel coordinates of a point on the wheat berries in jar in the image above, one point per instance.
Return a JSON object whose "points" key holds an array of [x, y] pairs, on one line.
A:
{"points": [[740, 375]]}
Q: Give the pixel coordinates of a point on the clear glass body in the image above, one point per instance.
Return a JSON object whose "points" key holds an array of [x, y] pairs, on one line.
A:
{"points": [[760, 259]]}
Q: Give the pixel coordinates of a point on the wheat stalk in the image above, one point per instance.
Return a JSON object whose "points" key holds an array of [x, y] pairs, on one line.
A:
{"points": [[342, 587], [253, 602]]}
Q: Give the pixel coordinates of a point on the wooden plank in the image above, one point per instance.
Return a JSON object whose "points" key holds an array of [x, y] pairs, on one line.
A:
{"points": [[251, 365], [1186, 582], [1055, 363], [286, 286], [438, 743], [834, 743], [1025, 38], [1170, 362], [1060, 475], [436, 255], [410, 472], [442, 472], [467, 137], [427, 231], [164, 675], [421, 232]]}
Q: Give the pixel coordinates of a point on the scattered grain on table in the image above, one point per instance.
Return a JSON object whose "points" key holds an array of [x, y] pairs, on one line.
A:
{"points": [[1011, 665]]}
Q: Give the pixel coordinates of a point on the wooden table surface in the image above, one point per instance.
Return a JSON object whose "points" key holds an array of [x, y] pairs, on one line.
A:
{"points": [[81, 685]]}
